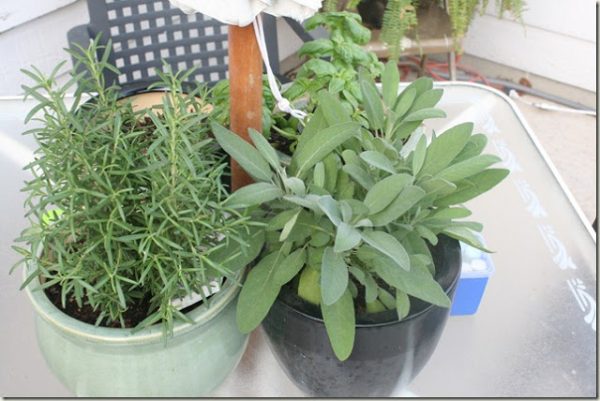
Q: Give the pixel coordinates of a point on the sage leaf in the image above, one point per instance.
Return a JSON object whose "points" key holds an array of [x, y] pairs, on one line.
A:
{"points": [[390, 80], [371, 101], [473, 186], [427, 99], [329, 206], [346, 238], [265, 149], [258, 293], [370, 288], [388, 245], [468, 167], [385, 191], [288, 226], [253, 194], [418, 283], [465, 235], [419, 155], [424, 114], [242, 152], [321, 145], [403, 202], [290, 267], [339, 319], [334, 276], [404, 102], [359, 175], [378, 160], [445, 147], [402, 304], [319, 175]]}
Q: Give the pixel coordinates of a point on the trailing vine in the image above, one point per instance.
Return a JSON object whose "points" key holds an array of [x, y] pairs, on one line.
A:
{"points": [[400, 16]]}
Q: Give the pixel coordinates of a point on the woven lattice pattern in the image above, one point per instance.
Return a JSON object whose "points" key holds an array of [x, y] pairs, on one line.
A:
{"points": [[144, 33]]}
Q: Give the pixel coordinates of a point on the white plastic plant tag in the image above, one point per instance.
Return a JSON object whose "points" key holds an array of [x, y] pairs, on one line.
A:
{"points": [[193, 298]]}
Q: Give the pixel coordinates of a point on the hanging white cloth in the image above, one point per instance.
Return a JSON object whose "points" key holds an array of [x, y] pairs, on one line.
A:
{"points": [[243, 12]]}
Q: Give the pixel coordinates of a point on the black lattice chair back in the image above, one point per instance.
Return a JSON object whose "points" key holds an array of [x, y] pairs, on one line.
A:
{"points": [[146, 32]]}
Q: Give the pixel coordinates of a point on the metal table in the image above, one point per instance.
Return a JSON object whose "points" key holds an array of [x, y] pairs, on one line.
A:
{"points": [[534, 333]]}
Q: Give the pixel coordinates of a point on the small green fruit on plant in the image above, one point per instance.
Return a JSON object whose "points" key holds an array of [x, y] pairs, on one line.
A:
{"points": [[359, 204]]}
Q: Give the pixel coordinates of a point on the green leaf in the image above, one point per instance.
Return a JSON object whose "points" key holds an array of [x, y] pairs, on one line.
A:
{"points": [[451, 213], [253, 194], [468, 167], [420, 85], [329, 206], [427, 99], [336, 85], [385, 191], [388, 245], [265, 149], [242, 152], [419, 155], [359, 175], [404, 102], [473, 148], [370, 288], [331, 172], [465, 235], [319, 67], [331, 109], [390, 80], [339, 321], [403, 202], [378, 160], [386, 298], [288, 226], [418, 282], [316, 47], [321, 145], [334, 276], [371, 101], [235, 256], [402, 304], [258, 292], [346, 238], [290, 267], [473, 186], [319, 175], [296, 185], [424, 114], [445, 147]]}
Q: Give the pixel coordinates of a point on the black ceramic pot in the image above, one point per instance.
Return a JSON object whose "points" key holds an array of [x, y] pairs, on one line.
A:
{"points": [[387, 354]]}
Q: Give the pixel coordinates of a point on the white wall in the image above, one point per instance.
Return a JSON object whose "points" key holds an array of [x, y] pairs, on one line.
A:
{"points": [[34, 32], [557, 42]]}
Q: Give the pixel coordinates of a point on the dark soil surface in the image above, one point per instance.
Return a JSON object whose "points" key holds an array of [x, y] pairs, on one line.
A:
{"points": [[135, 313]]}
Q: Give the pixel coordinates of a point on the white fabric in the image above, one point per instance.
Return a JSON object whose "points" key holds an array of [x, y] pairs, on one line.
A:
{"points": [[243, 12], [282, 103]]}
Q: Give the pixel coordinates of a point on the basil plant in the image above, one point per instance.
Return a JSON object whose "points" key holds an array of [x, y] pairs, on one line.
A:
{"points": [[352, 213]]}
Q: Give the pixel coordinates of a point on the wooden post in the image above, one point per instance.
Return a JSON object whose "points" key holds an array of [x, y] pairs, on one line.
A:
{"points": [[245, 83]]}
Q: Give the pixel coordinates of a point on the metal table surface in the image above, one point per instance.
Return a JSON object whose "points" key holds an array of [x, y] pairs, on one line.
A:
{"points": [[534, 333]]}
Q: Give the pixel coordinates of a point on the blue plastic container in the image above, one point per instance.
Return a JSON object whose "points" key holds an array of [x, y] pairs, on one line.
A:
{"points": [[477, 267]]}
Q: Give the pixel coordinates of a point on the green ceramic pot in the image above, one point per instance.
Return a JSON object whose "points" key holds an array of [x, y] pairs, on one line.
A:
{"points": [[107, 362]]}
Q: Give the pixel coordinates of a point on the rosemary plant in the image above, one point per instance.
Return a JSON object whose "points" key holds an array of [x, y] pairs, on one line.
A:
{"points": [[126, 205]]}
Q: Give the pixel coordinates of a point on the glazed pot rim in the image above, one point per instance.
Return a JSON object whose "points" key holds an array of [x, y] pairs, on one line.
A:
{"points": [[200, 315], [452, 285]]}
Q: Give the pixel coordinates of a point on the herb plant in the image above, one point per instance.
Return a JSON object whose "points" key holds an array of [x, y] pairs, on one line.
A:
{"points": [[126, 205], [333, 62], [351, 217]]}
